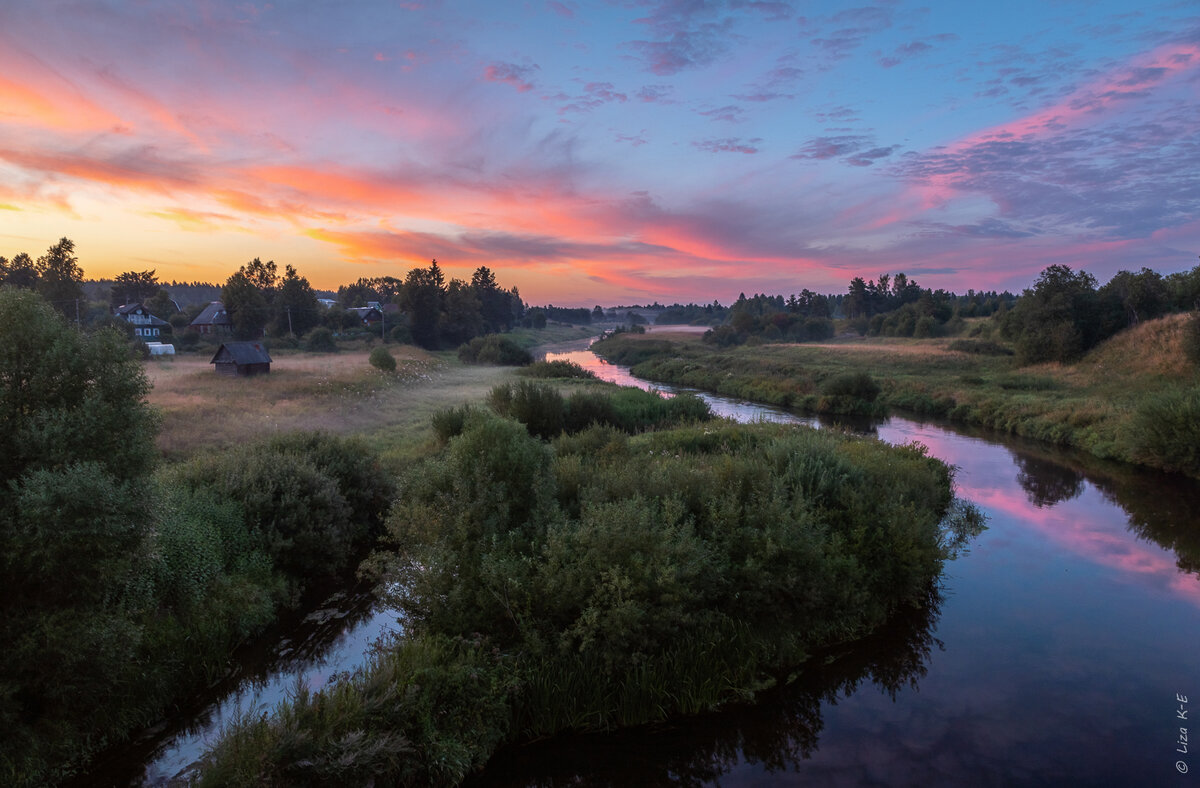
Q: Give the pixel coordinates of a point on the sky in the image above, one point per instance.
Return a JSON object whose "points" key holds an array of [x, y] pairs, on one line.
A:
{"points": [[605, 152]]}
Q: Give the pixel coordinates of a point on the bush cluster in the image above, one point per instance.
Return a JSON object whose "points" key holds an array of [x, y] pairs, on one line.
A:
{"points": [[983, 347], [382, 359], [609, 580], [546, 413], [555, 369], [494, 349]]}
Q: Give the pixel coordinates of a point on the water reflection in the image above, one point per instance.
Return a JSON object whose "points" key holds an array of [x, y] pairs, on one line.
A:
{"points": [[776, 735], [1046, 482], [1159, 508], [332, 637]]}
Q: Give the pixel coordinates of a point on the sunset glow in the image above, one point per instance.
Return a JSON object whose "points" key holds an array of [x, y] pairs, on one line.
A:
{"points": [[605, 152]]}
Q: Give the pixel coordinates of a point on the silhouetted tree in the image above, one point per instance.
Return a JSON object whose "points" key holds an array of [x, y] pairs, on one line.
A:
{"points": [[248, 295], [132, 287], [59, 277]]}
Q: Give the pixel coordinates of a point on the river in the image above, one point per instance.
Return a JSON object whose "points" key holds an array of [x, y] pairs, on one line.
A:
{"points": [[1056, 651]]}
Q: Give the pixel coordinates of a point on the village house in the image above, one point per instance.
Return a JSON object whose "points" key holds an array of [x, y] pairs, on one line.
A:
{"points": [[213, 320], [145, 325], [369, 315]]}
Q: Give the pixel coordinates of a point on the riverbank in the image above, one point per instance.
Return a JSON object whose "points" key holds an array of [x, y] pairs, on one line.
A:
{"points": [[1135, 398]]}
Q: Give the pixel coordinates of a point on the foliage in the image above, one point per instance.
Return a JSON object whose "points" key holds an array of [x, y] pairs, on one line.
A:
{"points": [[247, 296], [59, 277], [555, 369], [449, 422], [545, 412], [294, 305], [857, 385], [382, 359], [1191, 338], [320, 340], [132, 287], [308, 499], [1165, 432], [494, 349], [612, 581], [980, 346]]}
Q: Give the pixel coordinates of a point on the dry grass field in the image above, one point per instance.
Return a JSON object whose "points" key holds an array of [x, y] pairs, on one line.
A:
{"points": [[336, 392]]}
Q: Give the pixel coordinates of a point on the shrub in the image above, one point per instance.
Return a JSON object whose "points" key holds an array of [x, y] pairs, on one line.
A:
{"points": [[555, 369], [494, 349], [401, 334], [1165, 432], [449, 422], [856, 385], [382, 359], [540, 408], [981, 347], [926, 327], [1191, 338], [320, 340]]}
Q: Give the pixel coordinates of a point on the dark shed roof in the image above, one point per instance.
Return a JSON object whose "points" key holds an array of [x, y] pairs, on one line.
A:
{"points": [[241, 353]]}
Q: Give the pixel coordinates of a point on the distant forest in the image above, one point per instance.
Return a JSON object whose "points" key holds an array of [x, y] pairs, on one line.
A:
{"points": [[1063, 314]]}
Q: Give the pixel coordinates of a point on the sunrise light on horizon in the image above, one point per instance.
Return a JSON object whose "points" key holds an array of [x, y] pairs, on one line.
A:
{"points": [[605, 152]]}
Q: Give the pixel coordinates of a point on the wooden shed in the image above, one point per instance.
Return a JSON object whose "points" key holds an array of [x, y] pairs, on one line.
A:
{"points": [[242, 358]]}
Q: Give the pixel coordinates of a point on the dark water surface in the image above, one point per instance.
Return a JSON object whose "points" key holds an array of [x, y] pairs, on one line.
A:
{"points": [[1052, 654]]}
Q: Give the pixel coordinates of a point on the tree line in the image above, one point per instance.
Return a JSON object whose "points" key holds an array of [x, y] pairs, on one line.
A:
{"points": [[263, 301]]}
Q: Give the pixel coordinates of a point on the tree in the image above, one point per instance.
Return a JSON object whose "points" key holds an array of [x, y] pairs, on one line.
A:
{"points": [[75, 457], [132, 287], [21, 272], [296, 308], [161, 305], [59, 277], [1056, 320], [248, 295], [464, 314], [494, 306], [421, 299], [857, 301]]}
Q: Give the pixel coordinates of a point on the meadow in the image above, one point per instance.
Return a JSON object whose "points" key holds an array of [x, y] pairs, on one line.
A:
{"points": [[1134, 397]]}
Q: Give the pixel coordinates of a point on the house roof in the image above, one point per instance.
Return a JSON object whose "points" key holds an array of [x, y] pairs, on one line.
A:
{"points": [[365, 312], [242, 353], [213, 315], [128, 309]]}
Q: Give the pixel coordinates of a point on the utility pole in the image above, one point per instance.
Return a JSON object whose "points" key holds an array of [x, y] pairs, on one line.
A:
{"points": [[289, 311]]}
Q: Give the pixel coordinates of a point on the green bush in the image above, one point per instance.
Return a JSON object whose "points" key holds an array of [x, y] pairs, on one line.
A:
{"points": [[1165, 432], [308, 498], [494, 349], [572, 588], [539, 407], [555, 369], [382, 359], [981, 347], [449, 422], [320, 340], [856, 385]]}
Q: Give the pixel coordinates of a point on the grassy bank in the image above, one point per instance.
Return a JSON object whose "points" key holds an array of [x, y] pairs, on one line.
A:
{"points": [[1134, 398], [604, 579], [339, 393]]}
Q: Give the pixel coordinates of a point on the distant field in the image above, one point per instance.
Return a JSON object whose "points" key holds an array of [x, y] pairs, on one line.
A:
{"points": [[337, 392]]}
